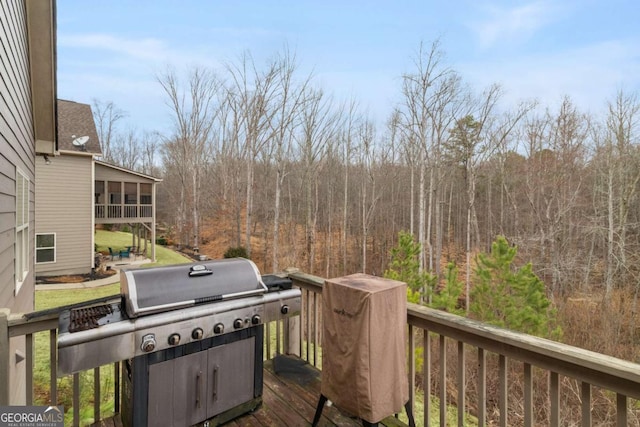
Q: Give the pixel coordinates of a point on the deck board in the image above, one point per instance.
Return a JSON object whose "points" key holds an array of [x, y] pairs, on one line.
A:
{"points": [[290, 394]]}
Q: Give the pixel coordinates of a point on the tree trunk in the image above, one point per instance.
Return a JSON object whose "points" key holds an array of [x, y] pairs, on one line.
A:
{"points": [[610, 234], [276, 223], [249, 207]]}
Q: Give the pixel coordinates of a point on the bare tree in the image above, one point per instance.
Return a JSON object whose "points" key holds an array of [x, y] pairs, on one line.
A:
{"points": [[254, 93], [553, 186], [106, 116], [319, 126], [346, 139], [623, 176], [369, 195], [193, 110], [125, 150], [289, 103], [230, 158], [428, 107], [149, 145], [474, 139]]}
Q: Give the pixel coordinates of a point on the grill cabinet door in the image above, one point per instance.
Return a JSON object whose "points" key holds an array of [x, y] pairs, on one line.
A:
{"points": [[231, 375], [189, 388], [160, 407], [177, 391]]}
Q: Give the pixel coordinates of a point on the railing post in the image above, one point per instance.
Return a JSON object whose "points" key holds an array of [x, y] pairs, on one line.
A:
{"points": [[4, 356], [412, 369], [293, 335]]}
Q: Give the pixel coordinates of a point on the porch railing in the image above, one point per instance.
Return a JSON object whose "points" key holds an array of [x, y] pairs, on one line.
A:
{"points": [[489, 373], [123, 211], [46, 322], [534, 381]]}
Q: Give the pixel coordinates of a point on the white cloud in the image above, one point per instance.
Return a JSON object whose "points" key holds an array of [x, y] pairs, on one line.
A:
{"points": [[143, 49], [149, 51], [590, 75], [123, 70], [513, 24]]}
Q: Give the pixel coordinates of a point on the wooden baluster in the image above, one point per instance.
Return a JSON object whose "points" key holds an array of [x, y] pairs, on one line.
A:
{"points": [[586, 404], [461, 384], [528, 396], [482, 387], [554, 396], [426, 373], [443, 381], [502, 362]]}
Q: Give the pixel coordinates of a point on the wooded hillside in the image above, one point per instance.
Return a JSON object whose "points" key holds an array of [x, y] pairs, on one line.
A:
{"points": [[301, 179]]}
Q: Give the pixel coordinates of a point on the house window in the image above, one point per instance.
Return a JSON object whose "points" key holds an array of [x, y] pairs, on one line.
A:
{"points": [[22, 229], [45, 248]]}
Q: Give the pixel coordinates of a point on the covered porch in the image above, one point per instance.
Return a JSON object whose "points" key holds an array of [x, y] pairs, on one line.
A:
{"points": [[122, 196]]}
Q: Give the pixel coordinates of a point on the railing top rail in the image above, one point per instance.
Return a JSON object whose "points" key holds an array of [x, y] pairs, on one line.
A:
{"points": [[28, 323], [615, 374], [307, 281]]}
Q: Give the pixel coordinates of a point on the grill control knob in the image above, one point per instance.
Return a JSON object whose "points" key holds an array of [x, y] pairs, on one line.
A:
{"points": [[197, 334], [218, 328], [148, 343], [174, 339], [238, 323], [255, 320], [284, 309]]}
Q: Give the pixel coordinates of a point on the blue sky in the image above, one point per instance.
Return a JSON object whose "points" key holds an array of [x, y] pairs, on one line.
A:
{"points": [[588, 49]]}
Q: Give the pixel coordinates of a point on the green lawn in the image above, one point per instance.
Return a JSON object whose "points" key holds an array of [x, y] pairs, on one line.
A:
{"points": [[104, 240], [55, 298]]}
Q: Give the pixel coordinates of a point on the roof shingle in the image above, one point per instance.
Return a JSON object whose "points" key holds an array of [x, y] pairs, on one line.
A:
{"points": [[76, 120]]}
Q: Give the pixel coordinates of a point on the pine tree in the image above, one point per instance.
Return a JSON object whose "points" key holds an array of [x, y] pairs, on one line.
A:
{"points": [[447, 298], [405, 267], [508, 297]]}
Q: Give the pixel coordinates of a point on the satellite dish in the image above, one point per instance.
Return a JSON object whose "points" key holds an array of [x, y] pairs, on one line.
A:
{"points": [[80, 141]]}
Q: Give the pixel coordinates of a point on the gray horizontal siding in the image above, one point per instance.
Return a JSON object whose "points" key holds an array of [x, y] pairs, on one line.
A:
{"points": [[17, 148], [65, 206], [104, 173]]}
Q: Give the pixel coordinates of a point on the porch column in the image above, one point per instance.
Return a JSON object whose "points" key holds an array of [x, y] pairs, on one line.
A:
{"points": [[153, 222]]}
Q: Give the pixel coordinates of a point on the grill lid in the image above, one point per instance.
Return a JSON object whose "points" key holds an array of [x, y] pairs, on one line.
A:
{"points": [[153, 290]]}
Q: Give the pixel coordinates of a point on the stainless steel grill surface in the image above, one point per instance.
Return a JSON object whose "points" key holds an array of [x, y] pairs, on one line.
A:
{"points": [[148, 291], [166, 307]]}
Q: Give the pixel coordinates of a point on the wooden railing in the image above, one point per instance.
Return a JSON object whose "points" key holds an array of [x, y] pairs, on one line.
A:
{"points": [[123, 211], [564, 376], [46, 322], [492, 374]]}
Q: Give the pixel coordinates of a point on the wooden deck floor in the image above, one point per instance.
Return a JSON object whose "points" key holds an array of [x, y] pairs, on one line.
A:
{"points": [[290, 394]]}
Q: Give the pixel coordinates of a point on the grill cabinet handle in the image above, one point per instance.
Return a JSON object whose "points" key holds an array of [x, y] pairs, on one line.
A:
{"points": [[215, 383], [198, 380]]}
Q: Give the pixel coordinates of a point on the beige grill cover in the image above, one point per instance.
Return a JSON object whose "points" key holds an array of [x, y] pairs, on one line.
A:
{"points": [[364, 356]]}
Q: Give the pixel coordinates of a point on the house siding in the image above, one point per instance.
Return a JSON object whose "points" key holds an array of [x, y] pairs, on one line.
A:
{"points": [[104, 173], [64, 203], [17, 152]]}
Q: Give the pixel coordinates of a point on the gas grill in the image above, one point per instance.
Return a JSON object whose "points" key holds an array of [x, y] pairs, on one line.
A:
{"points": [[191, 337]]}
